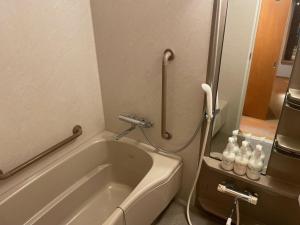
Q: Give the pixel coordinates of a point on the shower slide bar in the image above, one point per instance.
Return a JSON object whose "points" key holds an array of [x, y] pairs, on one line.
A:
{"points": [[77, 131], [167, 57]]}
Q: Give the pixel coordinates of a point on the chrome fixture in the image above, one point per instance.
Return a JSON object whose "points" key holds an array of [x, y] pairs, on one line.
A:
{"points": [[246, 196], [77, 131], [135, 122], [167, 57], [239, 195], [124, 133], [140, 122], [236, 209]]}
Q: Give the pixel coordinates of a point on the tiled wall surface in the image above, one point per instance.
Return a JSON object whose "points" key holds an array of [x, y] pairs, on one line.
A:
{"points": [[48, 76], [130, 39]]}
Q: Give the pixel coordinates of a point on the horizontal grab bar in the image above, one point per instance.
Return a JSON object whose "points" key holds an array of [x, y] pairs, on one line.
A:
{"points": [[77, 131]]}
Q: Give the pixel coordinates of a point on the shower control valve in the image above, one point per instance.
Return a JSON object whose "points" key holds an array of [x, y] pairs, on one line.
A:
{"points": [[136, 121]]}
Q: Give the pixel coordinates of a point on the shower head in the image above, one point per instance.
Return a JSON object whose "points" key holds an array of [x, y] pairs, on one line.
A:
{"points": [[209, 108]]}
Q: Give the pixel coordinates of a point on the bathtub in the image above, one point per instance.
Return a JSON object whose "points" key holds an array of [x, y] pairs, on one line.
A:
{"points": [[99, 182]]}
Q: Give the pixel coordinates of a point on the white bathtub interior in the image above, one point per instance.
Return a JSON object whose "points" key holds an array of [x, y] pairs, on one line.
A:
{"points": [[87, 186]]}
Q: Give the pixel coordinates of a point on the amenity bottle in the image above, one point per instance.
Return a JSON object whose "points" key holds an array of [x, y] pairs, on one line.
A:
{"points": [[228, 155], [255, 166], [247, 149], [236, 149], [259, 148], [241, 162]]}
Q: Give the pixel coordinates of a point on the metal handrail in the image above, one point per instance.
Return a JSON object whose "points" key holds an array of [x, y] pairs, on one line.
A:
{"points": [[77, 131], [167, 57]]}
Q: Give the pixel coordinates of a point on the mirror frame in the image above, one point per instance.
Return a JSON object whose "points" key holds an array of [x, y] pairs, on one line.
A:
{"points": [[214, 59]]}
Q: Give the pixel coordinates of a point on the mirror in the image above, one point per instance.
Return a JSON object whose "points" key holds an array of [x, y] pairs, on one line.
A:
{"points": [[252, 83], [291, 40]]}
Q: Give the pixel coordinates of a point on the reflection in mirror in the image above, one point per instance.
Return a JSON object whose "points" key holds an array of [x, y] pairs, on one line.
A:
{"points": [[293, 34], [252, 82]]}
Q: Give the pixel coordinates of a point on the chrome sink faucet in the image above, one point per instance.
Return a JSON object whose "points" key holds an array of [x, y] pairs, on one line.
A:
{"points": [[134, 121]]}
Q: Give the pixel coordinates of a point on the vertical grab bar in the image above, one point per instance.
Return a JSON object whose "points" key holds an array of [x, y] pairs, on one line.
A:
{"points": [[167, 57]]}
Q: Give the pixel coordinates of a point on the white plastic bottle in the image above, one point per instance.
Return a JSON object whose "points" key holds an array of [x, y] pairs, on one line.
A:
{"points": [[246, 148], [255, 166], [241, 162], [236, 148], [236, 145], [235, 134], [259, 148], [228, 156]]}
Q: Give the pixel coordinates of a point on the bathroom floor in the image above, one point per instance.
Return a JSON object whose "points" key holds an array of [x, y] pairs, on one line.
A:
{"points": [[175, 215], [257, 127]]}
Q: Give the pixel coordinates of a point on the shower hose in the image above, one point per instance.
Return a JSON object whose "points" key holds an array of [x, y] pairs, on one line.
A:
{"points": [[164, 150]]}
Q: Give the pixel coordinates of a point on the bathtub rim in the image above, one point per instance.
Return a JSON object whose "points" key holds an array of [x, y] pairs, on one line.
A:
{"points": [[35, 171]]}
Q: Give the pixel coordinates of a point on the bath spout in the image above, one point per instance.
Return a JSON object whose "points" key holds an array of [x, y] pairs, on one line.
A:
{"points": [[135, 122], [124, 133]]}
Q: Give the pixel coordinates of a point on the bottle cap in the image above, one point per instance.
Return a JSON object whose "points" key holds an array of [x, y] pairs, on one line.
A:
{"points": [[235, 132], [259, 147], [245, 143]]}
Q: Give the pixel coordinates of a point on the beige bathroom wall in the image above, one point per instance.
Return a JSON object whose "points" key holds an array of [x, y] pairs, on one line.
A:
{"points": [[131, 37], [48, 76]]}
